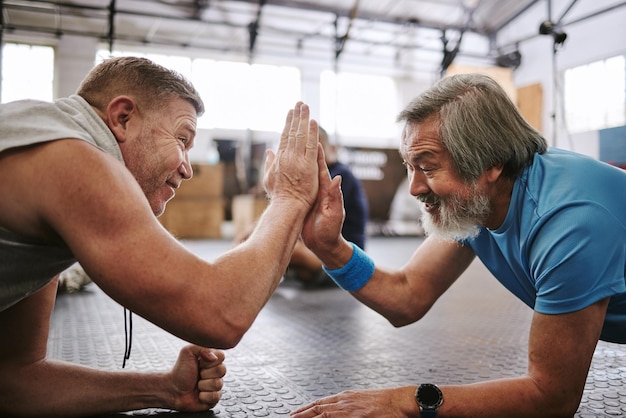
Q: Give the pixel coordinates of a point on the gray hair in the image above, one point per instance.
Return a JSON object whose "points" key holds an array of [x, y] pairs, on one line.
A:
{"points": [[147, 82], [478, 125]]}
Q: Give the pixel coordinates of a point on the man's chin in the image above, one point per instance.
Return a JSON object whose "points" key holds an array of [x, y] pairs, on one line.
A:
{"points": [[453, 233], [158, 208]]}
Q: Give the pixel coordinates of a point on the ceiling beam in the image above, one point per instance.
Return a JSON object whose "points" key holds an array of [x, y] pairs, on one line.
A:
{"points": [[111, 35], [564, 24], [253, 29], [340, 41], [514, 17], [105, 13], [346, 13], [195, 7]]}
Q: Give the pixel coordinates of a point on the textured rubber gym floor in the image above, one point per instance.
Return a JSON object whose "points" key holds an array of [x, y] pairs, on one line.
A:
{"points": [[308, 344]]}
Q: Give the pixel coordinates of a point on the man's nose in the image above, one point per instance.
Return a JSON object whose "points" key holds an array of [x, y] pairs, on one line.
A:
{"points": [[417, 183], [186, 171]]}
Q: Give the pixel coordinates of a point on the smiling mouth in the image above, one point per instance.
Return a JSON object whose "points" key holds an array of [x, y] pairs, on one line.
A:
{"points": [[430, 204], [430, 207]]}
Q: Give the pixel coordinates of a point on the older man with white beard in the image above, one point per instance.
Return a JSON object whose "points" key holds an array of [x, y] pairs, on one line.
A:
{"points": [[549, 224]]}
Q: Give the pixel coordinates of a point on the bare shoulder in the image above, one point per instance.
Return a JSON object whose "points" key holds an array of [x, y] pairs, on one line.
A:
{"points": [[51, 182], [71, 191]]}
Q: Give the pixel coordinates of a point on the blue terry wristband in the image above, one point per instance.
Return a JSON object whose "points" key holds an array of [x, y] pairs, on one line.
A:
{"points": [[355, 273]]}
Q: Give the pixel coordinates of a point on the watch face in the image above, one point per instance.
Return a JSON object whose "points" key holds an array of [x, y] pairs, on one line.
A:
{"points": [[429, 396]]}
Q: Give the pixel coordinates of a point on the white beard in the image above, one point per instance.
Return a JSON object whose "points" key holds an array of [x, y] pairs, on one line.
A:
{"points": [[457, 219]]}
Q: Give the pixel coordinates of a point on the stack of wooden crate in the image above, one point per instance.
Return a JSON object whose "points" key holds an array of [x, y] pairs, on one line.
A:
{"points": [[246, 210], [197, 210]]}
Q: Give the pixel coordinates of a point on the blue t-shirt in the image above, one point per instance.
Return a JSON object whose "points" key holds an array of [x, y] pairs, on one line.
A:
{"points": [[562, 246]]}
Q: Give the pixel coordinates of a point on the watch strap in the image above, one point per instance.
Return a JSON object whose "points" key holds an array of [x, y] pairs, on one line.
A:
{"points": [[428, 413]]}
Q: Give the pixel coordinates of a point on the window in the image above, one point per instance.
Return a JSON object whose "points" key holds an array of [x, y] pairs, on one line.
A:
{"points": [[357, 105], [242, 96], [595, 95], [236, 95], [27, 72]]}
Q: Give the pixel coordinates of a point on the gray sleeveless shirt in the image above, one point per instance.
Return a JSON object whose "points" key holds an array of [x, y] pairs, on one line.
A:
{"points": [[26, 264]]}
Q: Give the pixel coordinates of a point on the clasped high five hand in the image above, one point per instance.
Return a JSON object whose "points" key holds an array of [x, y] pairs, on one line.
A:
{"points": [[292, 172]]}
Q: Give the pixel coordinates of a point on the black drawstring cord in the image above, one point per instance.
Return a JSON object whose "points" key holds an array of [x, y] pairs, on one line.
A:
{"points": [[128, 335]]}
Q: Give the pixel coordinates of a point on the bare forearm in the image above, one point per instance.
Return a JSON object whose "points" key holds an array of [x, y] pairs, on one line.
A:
{"points": [[221, 297], [244, 279], [259, 263], [516, 397], [54, 388]]}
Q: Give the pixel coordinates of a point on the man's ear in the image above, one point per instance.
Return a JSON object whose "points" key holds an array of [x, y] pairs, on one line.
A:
{"points": [[493, 174], [119, 111]]}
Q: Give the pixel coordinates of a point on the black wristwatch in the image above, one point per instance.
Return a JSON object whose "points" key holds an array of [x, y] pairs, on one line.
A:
{"points": [[429, 398]]}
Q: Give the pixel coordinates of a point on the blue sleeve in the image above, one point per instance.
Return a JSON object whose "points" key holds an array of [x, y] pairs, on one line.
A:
{"points": [[577, 257]]}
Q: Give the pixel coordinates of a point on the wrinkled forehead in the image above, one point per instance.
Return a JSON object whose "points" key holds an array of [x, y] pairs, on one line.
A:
{"points": [[423, 132], [417, 131], [405, 136]]}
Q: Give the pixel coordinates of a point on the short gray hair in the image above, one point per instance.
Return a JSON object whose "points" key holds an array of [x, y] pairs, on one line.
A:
{"points": [[149, 83], [478, 125]]}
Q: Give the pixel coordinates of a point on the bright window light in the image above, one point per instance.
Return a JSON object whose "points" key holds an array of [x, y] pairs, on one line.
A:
{"points": [[273, 91], [595, 95], [358, 105], [242, 96], [236, 95], [225, 88], [27, 72], [181, 65]]}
